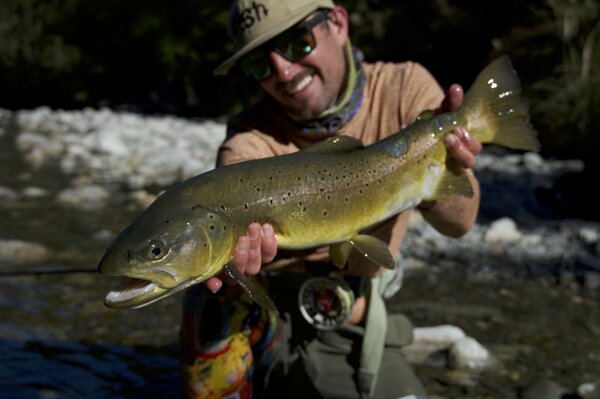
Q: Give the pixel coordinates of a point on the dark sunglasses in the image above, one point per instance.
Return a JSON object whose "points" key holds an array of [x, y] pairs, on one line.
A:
{"points": [[292, 44]]}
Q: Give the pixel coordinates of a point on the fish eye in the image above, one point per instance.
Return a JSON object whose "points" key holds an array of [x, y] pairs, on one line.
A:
{"points": [[156, 250]]}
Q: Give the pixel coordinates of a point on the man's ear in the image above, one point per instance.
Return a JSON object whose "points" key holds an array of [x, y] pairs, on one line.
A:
{"points": [[339, 24]]}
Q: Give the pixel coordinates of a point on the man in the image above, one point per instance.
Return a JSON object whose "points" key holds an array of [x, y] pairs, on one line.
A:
{"points": [[316, 85]]}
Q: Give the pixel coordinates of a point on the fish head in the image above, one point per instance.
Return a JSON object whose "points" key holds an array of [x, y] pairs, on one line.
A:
{"points": [[165, 250]]}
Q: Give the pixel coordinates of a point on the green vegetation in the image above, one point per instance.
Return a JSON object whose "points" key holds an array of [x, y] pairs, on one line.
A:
{"points": [[158, 56]]}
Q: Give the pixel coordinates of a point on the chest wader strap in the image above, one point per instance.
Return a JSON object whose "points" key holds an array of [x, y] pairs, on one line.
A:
{"points": [[375, 333]]}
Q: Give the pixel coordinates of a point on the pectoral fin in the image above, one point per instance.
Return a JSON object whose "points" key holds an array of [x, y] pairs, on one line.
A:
{"points": [[374, 249], [252, 289]]}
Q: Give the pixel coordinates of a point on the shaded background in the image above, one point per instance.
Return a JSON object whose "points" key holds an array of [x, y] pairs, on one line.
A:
{"points": [[156, 56]]}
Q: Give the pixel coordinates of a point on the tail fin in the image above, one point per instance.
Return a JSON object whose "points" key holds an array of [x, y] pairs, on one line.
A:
{"points": [[495, 111]]}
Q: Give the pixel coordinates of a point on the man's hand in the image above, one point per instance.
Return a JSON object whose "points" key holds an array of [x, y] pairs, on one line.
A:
{"points": [[257, 247], [461, 145]]}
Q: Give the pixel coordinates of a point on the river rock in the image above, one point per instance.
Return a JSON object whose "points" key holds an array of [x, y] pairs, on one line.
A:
{"points": [[589, 390], [84, 197], [15, 252], [35, 192], [504, 229], [545, 389], [468, 354]]}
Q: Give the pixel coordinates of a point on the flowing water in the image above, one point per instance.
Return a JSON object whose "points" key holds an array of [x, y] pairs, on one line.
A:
{"points": [[57, 340]]}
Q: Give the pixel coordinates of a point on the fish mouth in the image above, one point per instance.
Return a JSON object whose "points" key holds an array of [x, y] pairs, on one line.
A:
{"points": [[136, 293]]}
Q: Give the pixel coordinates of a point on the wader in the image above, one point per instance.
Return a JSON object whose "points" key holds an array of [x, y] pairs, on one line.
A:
{"points": [[232, 348]]}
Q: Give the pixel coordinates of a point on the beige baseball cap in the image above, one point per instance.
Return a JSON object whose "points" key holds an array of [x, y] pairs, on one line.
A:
{"points": [[255, 22]]}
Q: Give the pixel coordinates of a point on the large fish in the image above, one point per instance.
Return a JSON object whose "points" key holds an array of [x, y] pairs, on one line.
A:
{"points": [[325, 194]]}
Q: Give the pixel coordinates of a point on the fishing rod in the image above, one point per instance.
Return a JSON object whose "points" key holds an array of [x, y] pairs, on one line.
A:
{"points": [[17, 273]]}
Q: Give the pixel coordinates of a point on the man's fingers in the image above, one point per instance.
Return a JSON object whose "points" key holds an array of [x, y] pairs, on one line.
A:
{"points": [[240, 253], [214, 284], [268, 244], [463, 147], [254, 260], [453, 99], [470, 143]]}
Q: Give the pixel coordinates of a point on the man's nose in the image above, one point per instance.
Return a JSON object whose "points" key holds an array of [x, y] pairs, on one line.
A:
{"points": [[283, 69]]}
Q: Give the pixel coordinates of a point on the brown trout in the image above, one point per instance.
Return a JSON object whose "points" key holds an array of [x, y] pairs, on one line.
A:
{"points": [[325, 194]]}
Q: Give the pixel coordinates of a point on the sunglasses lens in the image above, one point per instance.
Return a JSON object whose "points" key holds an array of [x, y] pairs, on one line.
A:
{"points": [[256, 64], [295, 44]]}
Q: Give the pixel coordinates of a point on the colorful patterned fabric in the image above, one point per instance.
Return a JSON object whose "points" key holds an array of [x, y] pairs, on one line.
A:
{"points": [[223, 341]]}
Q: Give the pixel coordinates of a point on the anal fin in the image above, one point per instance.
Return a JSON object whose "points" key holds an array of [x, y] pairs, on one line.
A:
{"points": [[454, 181], [339, 253]]}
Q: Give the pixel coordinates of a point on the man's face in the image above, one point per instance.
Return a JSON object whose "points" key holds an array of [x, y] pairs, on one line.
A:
{"points": [[307, 87]]}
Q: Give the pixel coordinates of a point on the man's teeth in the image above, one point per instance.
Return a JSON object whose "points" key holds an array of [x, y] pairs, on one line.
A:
{"points": [[300, 85]]}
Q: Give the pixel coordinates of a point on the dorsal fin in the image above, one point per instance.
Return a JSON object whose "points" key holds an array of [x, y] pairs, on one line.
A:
{"points": [[335, 144]]}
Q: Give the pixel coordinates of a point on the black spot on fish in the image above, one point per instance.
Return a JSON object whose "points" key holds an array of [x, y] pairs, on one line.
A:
{"points": [[324, 213], [245, 206], [212, 227]]}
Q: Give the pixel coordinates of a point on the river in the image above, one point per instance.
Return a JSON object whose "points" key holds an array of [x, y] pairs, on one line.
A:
{"points": [[58, 340]]}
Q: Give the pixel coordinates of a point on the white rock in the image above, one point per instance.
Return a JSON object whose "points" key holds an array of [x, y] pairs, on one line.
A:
{"points": [[84, 197], [38, 148], [589, 391], [108, 141], [588, 235], [444, 335], [18, 252], [467, 353], [533, 162], [504, 230], [35, 192]]}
